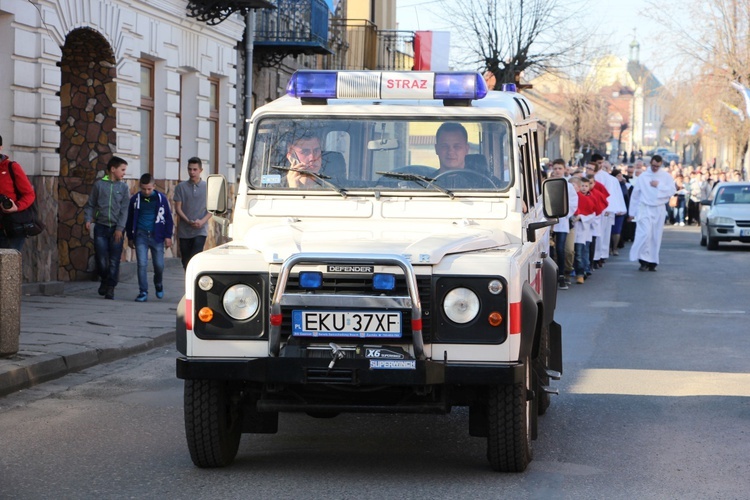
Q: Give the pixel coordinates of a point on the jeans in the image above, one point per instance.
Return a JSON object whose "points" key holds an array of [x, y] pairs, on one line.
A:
{"points": [[190, 247], [582, 265], [560, 239], [15, 242], [108, 254], [144, 241]]}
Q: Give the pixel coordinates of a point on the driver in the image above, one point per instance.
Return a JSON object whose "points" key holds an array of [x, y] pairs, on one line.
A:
{"points": [[304, 153], [451, 146]]}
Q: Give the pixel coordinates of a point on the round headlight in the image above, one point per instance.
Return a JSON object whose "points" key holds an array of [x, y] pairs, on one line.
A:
{"points": [[205, 283], [495, 287], [241, 302], [461, 305]]}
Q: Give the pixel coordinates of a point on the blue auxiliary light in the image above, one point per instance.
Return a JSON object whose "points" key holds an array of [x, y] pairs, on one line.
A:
{"points": [[310, 279], [509, 87], [369, 85], [383, 281]]}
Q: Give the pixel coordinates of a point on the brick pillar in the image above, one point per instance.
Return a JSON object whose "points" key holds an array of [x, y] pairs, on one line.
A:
{"points": [[10, 301]]}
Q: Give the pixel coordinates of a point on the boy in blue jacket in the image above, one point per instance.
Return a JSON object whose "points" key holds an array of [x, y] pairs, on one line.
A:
{"points": [[149, 226]]}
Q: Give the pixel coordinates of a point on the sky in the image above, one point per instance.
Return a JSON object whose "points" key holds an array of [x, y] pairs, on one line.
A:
{"points": [[617, 18]]}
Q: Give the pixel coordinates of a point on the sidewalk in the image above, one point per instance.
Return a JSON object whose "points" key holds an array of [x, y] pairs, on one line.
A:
{"points": [[76, 328]]}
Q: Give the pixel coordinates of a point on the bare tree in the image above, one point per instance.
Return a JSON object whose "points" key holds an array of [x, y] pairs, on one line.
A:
{"points": [[507, 37], [714, 45]]}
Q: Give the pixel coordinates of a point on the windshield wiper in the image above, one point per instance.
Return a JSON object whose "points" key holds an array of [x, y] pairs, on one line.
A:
{"points": [[320, 177], [425, 181]]}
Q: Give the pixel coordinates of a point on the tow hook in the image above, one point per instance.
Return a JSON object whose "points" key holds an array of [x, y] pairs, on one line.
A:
{"points": [[336, 354]]}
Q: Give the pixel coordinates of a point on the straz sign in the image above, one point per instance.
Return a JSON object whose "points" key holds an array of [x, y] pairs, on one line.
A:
{"points": [[360, 324], [410, 86]]}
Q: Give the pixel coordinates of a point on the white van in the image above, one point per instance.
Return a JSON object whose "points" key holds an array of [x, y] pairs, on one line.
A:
{"points": [[371, 271]]}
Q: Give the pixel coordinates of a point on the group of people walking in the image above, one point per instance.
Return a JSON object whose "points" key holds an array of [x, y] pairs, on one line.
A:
{"points": [[146, 218], [606, 206]]}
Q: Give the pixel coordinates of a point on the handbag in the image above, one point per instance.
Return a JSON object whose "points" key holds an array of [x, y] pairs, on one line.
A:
{"points": [[673, 201], [23, 223]]}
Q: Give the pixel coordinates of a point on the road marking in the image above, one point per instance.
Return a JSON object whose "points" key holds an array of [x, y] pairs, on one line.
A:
{"points": [[711, 311], [660, 383]]}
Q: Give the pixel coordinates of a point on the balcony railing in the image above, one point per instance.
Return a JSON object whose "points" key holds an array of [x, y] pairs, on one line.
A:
{"points": [[357, 44], [294, 27]]}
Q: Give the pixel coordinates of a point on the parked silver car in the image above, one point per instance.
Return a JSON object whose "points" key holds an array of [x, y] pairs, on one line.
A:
{"points": [[725, 215]]}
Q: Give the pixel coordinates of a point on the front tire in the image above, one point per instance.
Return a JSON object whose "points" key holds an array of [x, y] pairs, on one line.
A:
{"points": [[213, 422], [509, 416], [711, 243]]}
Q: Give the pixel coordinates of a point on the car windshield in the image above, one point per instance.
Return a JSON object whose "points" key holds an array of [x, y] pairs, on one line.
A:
{"points": [[733, 194], [361, 154]]}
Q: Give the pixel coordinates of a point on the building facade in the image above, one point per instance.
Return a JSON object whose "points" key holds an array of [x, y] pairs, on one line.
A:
{"points": [[85, 81]]}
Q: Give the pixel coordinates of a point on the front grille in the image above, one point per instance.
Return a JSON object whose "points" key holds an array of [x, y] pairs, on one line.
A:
{"points": [[362, 285], [743, 223]]}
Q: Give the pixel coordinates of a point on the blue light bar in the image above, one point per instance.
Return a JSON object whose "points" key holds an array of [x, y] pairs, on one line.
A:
{"points": [[383, 281], [509, 87], [414, 85], [313, 84], [460, 86], [310, 279]]}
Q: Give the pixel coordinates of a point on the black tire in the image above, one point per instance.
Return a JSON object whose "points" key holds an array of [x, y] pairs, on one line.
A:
{"points": [[213, 422], [540, 369], [711, 243], [509, 413]]}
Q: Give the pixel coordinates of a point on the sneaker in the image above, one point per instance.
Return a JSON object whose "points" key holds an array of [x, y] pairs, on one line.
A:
{"points": [[159, 291], [561, 284], [643, 267], [102, 289], [142, 297], [682, 224], [110, 293], [579, 280]]}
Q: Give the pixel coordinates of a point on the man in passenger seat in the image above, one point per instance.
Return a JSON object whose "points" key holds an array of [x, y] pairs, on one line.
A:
{"points": [[451, 146]]}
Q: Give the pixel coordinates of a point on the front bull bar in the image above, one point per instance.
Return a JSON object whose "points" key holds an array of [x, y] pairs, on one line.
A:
{"points": [[281, 298]]}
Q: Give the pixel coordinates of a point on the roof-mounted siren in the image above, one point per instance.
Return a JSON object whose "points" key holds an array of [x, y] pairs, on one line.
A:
{"points": [[454, 88], [509, 87]]}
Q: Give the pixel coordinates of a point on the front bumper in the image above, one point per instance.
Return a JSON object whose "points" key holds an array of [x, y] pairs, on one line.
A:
{"points": [[352, 372]]}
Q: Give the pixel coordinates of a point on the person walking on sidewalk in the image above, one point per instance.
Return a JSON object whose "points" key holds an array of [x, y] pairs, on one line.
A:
{"points": [[651, 191], [190, 207], [149, 227], [16, 194], [107, 209]]}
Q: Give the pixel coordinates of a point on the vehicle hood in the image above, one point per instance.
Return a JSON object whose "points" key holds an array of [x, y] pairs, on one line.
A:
{"points": [[422, 242], [737, 211]]}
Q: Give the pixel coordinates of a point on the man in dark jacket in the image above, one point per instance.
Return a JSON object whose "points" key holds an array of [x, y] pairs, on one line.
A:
{"points": [[149, 227]]}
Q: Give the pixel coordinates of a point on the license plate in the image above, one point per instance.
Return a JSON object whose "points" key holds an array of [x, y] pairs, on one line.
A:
{"points": [[745, 233], [362, 324]]}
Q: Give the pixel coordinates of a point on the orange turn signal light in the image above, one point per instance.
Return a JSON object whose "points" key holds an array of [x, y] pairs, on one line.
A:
{"points": [[495, 318], [205, 314]]}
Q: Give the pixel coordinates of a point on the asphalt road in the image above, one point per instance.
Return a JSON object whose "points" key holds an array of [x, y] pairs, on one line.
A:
{"points": [[655, 403]]}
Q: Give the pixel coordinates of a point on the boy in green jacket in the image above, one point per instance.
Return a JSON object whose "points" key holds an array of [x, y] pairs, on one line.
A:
{"points": [[107, 208]]}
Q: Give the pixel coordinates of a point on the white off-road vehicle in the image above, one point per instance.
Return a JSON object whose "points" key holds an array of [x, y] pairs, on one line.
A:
{"points": [[386, 283]]}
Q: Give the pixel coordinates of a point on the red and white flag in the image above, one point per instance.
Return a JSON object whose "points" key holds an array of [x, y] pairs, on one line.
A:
{"points": [[431, 50]]}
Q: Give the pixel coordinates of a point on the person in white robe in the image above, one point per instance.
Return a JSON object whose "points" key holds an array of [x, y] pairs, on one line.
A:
{"points": [[615, 206], [651, 191]]}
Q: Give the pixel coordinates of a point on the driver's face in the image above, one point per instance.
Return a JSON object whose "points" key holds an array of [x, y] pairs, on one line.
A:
{"points": [[451, 149], [308, 154]]}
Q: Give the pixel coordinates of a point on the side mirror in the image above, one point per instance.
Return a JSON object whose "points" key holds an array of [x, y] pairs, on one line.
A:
{"points": [[706, 203], [216, 194], [555, 197]]}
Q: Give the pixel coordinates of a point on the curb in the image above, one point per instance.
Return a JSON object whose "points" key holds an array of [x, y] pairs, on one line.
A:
{"points": [[43, 368]]}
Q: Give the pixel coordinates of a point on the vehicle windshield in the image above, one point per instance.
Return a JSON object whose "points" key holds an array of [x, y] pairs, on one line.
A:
{"points": [[361, 154], [733, 194]]}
